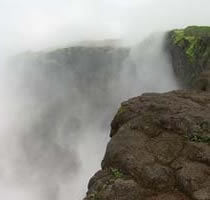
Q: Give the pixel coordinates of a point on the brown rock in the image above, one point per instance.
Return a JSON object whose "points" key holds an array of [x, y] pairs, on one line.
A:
{"points": [[160, 150]]}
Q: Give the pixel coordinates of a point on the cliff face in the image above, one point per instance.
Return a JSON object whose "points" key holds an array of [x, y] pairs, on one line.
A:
{"points": [[160, 143], [190, 52], [85, 73], [159, 150]]}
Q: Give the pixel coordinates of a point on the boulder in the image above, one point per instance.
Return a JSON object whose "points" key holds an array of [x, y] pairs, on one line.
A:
{"points": [[159, 150]]}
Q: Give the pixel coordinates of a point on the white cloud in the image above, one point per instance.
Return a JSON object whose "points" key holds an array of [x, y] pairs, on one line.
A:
{"points": [[34, 24]]}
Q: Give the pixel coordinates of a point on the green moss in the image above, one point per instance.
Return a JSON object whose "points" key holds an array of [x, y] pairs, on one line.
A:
{"points": [[197, 138], [177, 36], [116, 173], [189, 40], [192, 48], [198, 31]]}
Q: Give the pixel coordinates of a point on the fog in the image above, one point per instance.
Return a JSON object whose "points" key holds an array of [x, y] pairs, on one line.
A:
{"points": [[42, 24], [56, 105]]}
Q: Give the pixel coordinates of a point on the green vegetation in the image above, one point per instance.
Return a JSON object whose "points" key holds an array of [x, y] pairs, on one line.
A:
{"points": [[190, 40], [191, 32], [116, 173], [198, 31], [198, 138], [178, 35], [202, 128], [193, 48]]}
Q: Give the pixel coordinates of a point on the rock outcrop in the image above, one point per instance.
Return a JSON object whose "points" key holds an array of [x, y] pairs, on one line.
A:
{"points": [[190, 52], [159, 150], [160, 143]]}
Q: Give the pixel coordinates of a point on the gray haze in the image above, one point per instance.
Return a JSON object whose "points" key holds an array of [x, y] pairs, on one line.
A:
{"points": [[56, 106]]}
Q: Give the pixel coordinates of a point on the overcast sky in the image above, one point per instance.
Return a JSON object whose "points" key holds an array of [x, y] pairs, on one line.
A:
{"points": [[30, 24]]}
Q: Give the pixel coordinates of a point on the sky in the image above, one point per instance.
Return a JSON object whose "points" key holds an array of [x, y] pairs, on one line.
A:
{"points": [[30, 24]]}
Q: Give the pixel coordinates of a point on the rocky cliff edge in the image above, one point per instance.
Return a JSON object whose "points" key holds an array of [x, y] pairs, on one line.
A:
{"points": [[160, 143]]}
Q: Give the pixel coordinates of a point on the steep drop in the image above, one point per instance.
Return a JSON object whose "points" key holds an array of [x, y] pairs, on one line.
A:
{"points": [[64, 100]]}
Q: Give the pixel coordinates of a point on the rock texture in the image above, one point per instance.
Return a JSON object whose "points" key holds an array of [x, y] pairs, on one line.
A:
{"points": [[160, 143], [190, 52], [159, 150]]}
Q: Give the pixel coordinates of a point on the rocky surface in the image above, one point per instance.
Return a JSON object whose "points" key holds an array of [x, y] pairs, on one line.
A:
{"points": [[160, 143], [190, 52], [160, 150]]}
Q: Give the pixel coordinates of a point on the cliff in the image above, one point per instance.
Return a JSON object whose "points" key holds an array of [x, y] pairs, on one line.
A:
{"points": [[160, 143], [85, 73], [190, 52]]}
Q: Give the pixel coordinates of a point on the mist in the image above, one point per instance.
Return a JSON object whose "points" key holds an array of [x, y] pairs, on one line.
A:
{"points": [[57, 99]]}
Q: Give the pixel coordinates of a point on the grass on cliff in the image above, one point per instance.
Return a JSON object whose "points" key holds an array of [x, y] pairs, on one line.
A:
{"points": [[190, 40], [198, 31]]}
